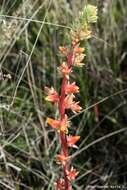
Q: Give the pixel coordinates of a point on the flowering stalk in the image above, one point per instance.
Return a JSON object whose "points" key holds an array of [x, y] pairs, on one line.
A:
{"points": [[74, 56]]}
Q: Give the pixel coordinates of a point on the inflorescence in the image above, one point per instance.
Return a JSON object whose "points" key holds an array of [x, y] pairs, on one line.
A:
{"points": [[73, 56]]}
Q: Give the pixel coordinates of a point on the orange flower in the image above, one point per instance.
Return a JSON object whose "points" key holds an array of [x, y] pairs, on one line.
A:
{"points": [[64, 123], [70, 104], [52, 95], [72, 174], [61, 158], [71, 140], [53, 123], [68, 101], [63, 50], [72, 88], [64, 69], [75, 107], [61, 125], [78, 50], [60, 184]]}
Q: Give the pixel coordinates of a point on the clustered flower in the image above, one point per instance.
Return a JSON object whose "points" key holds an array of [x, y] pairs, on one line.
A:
{"points": [[74, 56]]}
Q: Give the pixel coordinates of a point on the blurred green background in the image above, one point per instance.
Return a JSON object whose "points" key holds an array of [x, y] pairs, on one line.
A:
{"points": [[30, 33]]}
